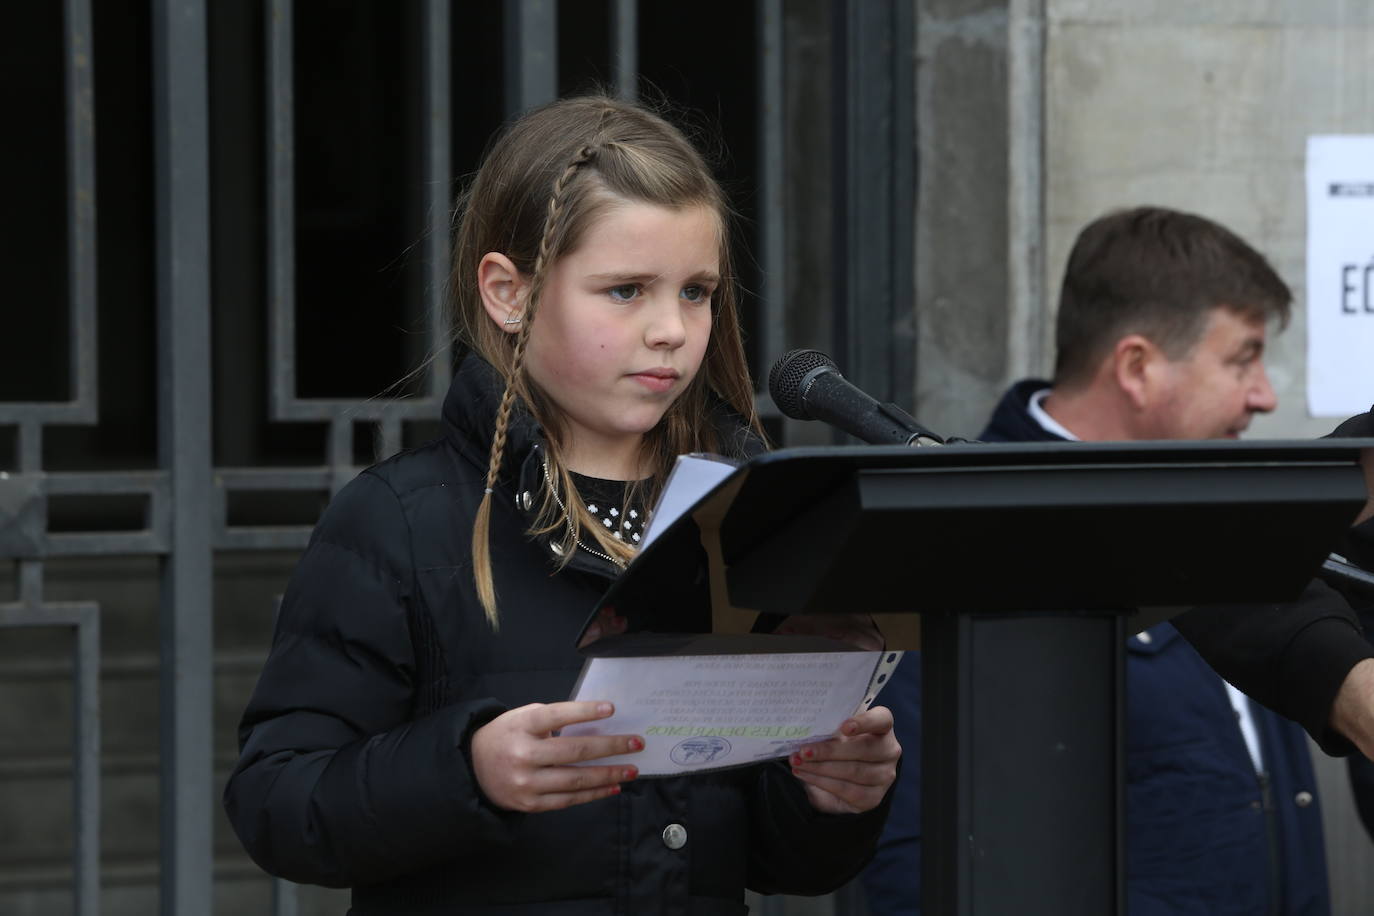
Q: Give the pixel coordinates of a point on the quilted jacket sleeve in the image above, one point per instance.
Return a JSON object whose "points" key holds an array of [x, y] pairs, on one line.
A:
{"points": [[335, 784]]}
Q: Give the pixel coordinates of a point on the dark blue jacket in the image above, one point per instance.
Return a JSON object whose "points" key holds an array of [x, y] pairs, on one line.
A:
{"points": [[1204, 833]]}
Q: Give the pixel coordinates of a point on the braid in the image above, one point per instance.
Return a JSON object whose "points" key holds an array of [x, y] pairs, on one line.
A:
{"points": [[498, 439], [481, 527], [541, 260]]}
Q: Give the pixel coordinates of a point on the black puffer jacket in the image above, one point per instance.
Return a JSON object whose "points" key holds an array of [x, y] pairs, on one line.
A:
{"points": [[354, 768]]}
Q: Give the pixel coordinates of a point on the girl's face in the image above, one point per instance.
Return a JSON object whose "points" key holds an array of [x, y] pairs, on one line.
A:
{"points": [[622, 327]]}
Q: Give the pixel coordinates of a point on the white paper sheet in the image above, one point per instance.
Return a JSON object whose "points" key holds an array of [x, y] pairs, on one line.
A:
{"points": [[705, 712], [1340, 275], [692, 477]]}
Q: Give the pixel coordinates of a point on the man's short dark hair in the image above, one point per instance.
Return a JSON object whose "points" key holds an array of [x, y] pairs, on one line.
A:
{"points": [[1157, 273]]}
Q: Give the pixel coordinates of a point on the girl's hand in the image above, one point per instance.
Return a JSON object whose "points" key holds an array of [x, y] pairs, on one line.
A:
{"points": [[521, 766], [850, 774]]}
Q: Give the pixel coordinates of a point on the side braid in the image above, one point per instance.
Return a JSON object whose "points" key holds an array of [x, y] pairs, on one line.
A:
{"points": [[551, 218], [481, 526]]}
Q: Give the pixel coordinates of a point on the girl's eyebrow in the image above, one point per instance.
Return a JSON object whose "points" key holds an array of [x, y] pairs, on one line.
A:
{"points": [[701, 276], [623, 278]]}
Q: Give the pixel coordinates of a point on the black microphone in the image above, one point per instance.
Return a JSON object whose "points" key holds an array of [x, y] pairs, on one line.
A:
{"points": [[807, 385]]}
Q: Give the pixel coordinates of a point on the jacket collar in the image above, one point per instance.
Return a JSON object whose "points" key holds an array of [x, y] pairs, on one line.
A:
{"points": [[469, 420], [1011, 421], [469, 424]]}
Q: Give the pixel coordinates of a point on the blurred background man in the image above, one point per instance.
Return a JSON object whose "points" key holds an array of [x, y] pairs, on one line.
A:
{"points": [[1161, 332]]}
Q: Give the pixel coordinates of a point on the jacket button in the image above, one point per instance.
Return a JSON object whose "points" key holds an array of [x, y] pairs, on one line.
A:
{"points": [[526, 500], [1144, 637], [675, 836], [1302, 799]]}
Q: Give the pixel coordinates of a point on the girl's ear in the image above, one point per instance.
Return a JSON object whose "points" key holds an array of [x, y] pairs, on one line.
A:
{"points": [[502, 288]]}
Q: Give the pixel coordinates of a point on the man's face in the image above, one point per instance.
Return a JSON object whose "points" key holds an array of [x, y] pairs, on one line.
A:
{"points": [[1212, 391]]}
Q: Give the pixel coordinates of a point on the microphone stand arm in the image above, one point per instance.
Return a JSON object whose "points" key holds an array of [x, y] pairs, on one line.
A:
{"points": [[918, 435], [1337, 570]]}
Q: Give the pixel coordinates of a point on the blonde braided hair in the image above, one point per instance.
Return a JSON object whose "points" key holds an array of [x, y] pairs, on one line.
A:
{"points": [[481, 527]]}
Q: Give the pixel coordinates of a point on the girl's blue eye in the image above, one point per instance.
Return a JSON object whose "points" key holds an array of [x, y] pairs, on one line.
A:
{"points": [[695, 293], [626, 292]]}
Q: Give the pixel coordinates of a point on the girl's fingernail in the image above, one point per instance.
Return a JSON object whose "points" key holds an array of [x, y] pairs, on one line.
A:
{"points": [[631, 772], [809, 753], [604, 709], [796, 760], [615, 789], [636, 744]]}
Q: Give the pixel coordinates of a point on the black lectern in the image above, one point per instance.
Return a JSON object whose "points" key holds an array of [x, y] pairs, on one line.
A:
{"points": [[1027, 563]]}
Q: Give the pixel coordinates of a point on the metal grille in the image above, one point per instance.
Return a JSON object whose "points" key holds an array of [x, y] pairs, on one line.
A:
{"points": [[186, 503], [23, 495]]}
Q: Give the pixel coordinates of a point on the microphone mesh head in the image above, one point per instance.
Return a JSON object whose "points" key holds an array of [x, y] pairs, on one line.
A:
{"points": [[785, 380]]}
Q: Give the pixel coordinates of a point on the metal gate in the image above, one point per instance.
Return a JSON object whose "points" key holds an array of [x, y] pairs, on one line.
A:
{"points": [[238, 460]]}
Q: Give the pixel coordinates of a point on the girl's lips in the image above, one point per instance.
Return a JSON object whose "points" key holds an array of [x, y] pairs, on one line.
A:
{"points": [[657, 380]]}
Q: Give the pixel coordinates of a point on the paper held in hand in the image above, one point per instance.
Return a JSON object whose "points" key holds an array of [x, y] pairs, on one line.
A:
{"points": [[706, 712]]}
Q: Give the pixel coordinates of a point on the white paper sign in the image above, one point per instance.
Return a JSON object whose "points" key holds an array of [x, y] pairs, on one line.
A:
{"points": [[1340, 275], [704, 712]]}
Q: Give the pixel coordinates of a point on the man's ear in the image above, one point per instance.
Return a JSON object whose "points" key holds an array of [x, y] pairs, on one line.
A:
{"points": [[502, 288], [1134, 363]]}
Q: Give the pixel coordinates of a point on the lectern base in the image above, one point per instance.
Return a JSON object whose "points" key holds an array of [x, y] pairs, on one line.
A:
{"points": [[1021, 808]]}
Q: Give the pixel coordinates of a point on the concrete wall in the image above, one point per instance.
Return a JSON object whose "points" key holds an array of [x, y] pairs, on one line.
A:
{"points": [[961, 218], [1207, 107]]}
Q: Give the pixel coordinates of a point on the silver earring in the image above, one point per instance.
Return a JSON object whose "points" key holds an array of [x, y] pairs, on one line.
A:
{"points": [[513, 319]]}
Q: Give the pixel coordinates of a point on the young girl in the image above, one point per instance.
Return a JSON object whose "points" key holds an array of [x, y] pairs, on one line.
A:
{"points": [[402, 740]]}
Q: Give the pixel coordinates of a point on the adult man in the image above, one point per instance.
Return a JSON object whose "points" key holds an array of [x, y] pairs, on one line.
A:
{"points": [[1161, 332]]}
